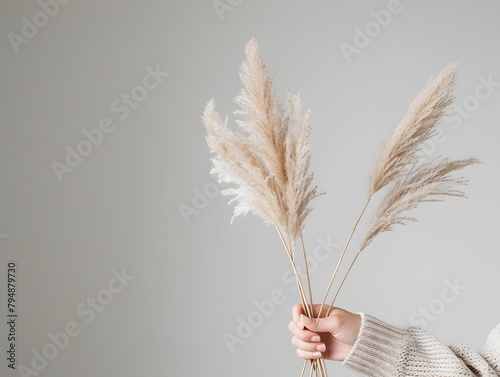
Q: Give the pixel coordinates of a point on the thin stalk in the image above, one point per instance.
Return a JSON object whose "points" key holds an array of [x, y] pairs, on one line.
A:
{"points": [[304, 368], [312, 369], [314, 363], [343, 280], [299, 283], [323, 367], [307, 272], [342, 257], [318, 365]]}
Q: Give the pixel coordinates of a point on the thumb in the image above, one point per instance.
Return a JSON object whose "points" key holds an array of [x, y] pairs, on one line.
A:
{"points": [[317, 324]]}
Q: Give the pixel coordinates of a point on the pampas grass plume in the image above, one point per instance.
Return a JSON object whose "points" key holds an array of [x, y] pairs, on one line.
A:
{"points": [[418, 125], [268, 164]]}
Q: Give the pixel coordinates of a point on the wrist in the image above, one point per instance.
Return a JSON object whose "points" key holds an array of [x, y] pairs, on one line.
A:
{"points": [[377, 347]]}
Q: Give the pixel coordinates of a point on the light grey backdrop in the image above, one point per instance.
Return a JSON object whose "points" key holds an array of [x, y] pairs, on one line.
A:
{"points": [[134, 197]]}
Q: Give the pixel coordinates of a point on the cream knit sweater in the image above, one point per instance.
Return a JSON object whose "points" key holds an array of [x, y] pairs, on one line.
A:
{"points": [[382, 350]]}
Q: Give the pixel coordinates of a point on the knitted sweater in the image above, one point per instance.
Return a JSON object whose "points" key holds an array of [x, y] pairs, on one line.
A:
{"points": [[382, 350]]}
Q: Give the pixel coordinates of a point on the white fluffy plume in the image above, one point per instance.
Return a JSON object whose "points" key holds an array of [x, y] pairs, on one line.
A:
{"points": [[268, 163]]}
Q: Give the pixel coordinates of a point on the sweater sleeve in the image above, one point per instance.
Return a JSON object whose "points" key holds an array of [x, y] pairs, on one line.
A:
{"points": [[383, 350]]}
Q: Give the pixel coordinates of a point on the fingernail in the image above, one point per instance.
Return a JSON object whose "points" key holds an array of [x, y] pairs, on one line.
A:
{"points": [[316, 354], [315, 338], [321, 348], [305, 320]]}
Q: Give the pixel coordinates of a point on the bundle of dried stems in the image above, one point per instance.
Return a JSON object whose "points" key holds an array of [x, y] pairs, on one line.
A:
{"points": [[268, 165]]}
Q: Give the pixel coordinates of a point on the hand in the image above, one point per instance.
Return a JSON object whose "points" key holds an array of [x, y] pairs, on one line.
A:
{"points": [[331, 338]]}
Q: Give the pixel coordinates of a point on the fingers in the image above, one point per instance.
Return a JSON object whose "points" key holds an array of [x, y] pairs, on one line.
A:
{"points": [[297, 310], [308, 343], [308, 346], [303, 334], [308, 355], [325, 310]]}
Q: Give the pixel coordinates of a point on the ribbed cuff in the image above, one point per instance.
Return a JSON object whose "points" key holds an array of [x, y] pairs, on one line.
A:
{"points": [[491, 350], [378, 348]]}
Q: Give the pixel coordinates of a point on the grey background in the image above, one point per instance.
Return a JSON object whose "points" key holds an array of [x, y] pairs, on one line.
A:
{"points": [[193, 279]]}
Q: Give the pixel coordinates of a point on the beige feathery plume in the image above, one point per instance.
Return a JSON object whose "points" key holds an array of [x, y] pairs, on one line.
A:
{"points": [[402, 147], [268, 165], [299, 191], [426, 183], [398, 164], [236, 162], [262, 115]]}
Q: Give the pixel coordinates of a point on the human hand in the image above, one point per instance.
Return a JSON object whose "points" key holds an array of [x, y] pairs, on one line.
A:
{"points": [[329, 337]]}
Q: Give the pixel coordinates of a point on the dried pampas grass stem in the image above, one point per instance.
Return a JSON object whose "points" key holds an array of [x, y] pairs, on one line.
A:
{"points": [[426, 183], [429, 182], [266, 166], [399, 164]]}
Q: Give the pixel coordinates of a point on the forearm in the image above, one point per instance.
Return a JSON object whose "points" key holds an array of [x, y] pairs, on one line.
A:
{"points": [[383, 350]]}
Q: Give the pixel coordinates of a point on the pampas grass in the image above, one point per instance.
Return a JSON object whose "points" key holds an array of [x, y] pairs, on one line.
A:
{"points": [[401, 149], [418, 125], [426, 183], [267, 165], [429, 182], [399, 165]]}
